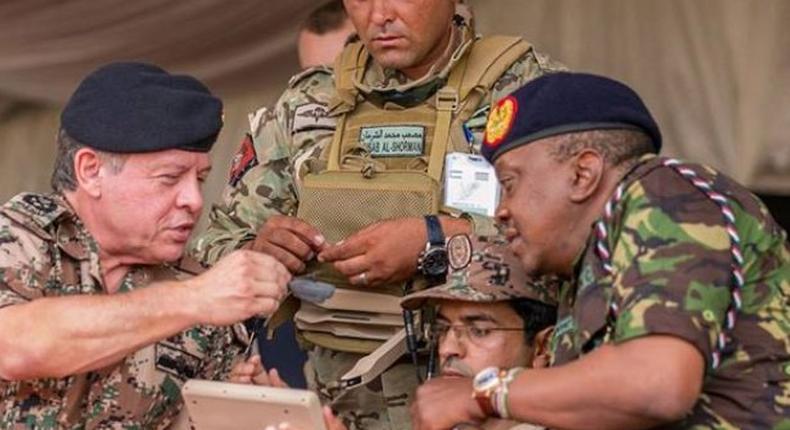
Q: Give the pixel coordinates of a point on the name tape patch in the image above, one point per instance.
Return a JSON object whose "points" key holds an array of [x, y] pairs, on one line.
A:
{"points": [[393, 141]]}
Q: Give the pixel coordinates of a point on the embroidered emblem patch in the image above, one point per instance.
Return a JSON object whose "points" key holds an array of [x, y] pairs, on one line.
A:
{"points": [[500, 121], [175, 361], [312, 116], [40, 205], [459, 251], [393, 141], [244, 160]]}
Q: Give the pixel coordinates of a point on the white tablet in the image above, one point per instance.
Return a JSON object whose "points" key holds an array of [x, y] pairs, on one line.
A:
{"points": [[223, 405]]}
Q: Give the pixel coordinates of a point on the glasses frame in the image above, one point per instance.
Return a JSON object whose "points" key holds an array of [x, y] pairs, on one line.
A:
{"points": [[462, 331]]}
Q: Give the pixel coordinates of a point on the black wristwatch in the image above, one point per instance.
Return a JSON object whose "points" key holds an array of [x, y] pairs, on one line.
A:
{"points": [[433, 260]]}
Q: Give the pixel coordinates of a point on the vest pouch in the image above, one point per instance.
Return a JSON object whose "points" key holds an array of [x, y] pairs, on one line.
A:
{"points": [[340, 203]]}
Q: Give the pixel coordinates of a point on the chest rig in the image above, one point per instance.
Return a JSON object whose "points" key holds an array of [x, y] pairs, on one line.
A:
{"points": [[386, 160]]}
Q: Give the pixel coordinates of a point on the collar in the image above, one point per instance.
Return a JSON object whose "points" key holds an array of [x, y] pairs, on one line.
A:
{"points": [[51, 218], [642, 166]]}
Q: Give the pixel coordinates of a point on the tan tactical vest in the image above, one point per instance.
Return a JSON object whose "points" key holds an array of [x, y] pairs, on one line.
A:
{"points": [[404, 179]]}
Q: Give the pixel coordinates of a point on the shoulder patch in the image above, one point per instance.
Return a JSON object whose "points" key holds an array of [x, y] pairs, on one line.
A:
{"points": [[36, 211], [310, 71], [312, 116], [244, 160]]}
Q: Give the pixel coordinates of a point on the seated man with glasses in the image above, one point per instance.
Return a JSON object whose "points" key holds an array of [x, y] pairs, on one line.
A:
{"points": [[489, 314]]}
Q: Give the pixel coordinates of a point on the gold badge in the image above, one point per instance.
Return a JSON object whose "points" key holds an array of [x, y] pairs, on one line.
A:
{"points": [[500, 121]]}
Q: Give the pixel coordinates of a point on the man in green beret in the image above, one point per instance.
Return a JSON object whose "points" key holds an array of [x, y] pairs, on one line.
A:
{"points": [[677, 314], [101, 319]]}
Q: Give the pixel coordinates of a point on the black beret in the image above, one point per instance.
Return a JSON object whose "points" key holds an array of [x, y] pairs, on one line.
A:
{"points": [[561, 103], [138, 107]]}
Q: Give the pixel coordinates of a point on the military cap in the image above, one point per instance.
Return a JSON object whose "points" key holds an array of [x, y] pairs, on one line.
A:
{"points": [[560, 103], [136, 107], [483, 270]]}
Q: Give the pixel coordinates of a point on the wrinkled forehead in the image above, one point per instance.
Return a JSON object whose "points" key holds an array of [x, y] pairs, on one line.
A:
{"points": [[171, 158]]}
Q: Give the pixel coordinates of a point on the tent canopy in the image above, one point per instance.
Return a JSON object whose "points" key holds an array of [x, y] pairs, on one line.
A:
{"points": [[716, 73]]}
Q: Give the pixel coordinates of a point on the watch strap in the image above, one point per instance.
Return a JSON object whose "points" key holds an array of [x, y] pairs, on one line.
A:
{"points": [[486, 405], [434, 229]]}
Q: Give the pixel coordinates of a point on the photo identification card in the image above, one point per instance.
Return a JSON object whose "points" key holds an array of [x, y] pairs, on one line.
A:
{"points": [[470, 184]]}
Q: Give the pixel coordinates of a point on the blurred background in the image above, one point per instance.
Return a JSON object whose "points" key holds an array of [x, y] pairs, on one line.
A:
{"points": [[715, 73]]}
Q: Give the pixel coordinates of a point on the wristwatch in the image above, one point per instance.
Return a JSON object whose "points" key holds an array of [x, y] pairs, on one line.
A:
{"points": [[484, 386], [433, 260]]}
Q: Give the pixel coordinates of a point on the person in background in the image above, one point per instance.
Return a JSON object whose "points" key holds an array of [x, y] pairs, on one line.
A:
{"points": [[323, 35], [321, 38]]}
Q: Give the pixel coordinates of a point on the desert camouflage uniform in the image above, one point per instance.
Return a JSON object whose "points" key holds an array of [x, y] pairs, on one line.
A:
{"points": [[265, 181], [45, 251], [672, 276]]}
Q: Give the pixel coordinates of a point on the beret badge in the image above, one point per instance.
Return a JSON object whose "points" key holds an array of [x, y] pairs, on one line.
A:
{"points": [[500, 121], [459, 251]]}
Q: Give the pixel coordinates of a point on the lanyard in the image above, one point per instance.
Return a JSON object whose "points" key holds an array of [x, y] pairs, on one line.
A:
{"points": [[706, 187]]}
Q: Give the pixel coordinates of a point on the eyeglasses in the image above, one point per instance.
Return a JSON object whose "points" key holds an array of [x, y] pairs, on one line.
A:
{"points": [[474, 333]]}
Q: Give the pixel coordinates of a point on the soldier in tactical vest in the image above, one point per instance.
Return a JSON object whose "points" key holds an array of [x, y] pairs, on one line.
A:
{"points": [[337, 179], [101, 320], [677, 314]]}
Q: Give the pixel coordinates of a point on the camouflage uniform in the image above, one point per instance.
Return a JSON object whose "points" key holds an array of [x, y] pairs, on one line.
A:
{"points": [[265, 180], [483, 270], [672, 274], [45, 251]]}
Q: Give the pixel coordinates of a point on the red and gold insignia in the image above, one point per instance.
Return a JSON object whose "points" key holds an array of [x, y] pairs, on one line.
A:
{"points": [[500, 121], [244, 160]]}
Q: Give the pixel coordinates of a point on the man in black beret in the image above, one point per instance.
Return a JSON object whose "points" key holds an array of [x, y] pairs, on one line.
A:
{"points": [[676, 314], [101, 320]]}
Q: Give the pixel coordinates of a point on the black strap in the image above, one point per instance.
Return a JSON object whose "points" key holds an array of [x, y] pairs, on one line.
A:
{"points": [[435, 232]]}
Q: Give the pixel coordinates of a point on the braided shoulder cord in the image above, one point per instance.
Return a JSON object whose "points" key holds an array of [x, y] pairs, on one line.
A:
{"points": [[604, 253]]}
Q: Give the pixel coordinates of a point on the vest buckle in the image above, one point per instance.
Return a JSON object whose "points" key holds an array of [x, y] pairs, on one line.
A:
{"points": [[447, 99]]}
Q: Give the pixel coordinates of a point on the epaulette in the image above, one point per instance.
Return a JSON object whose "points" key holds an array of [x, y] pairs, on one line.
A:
{"points": [[310, 71], [35, 211]]}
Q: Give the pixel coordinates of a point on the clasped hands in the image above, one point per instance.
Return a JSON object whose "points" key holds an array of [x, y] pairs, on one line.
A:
{"points": [[381, 253]]}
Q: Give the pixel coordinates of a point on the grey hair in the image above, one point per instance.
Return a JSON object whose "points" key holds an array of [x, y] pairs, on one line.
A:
{"points": [[63, 176], [618, 147]]}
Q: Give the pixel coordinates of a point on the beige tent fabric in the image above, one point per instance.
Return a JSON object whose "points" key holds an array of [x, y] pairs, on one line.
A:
{"points": [[47, 46], [716, 73]]}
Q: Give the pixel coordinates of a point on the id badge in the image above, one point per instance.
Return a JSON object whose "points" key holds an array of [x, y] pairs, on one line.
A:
{"points": [[470, 184]]}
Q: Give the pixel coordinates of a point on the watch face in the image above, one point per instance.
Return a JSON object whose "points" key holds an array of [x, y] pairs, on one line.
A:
{"points": [[486, 379], [434, 263]]}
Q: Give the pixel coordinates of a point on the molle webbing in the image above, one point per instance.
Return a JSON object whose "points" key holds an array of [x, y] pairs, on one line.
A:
{"points": [[357, 189]]}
